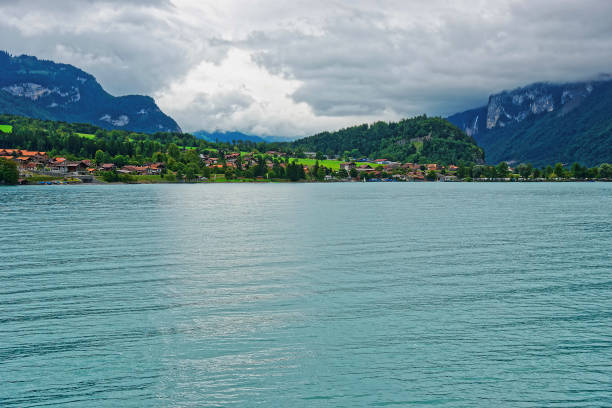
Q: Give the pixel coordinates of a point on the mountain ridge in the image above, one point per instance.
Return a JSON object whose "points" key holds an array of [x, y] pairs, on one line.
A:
{"points": [[229, 136], [544, 123], [45, 89]]}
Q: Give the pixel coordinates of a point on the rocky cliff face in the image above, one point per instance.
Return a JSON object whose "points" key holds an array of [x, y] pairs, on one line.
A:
{"points": [[46, 90], [545, 123], [472, 122], [515, 106], [511, 107]]}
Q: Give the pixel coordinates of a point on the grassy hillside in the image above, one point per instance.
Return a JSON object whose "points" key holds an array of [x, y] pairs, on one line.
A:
{"points": [[83, 140], [420, 139]]}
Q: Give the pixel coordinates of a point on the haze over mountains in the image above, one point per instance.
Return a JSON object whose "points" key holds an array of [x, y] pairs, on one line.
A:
{"points": [[47, 90], [234, 136]]}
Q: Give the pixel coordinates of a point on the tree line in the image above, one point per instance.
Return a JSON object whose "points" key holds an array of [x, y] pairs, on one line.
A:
{"points": [[528, 171], [420, 139]]}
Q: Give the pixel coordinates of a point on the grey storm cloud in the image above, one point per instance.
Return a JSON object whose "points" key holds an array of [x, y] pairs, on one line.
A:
{"points": [[127, 45], [336, 62], [440, 64]]}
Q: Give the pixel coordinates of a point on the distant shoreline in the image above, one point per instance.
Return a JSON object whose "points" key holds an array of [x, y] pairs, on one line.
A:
{"points": [[305, 182]]}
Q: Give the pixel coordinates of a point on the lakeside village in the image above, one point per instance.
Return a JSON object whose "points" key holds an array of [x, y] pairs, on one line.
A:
{"points": [[36, 167]]}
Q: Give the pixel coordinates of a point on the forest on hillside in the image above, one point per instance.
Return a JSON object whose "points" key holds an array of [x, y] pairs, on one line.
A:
{"points": [[420, 139]]}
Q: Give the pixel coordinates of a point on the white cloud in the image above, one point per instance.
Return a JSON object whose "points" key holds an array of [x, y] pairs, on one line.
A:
{"points": [[238, 94], [268, 68]]}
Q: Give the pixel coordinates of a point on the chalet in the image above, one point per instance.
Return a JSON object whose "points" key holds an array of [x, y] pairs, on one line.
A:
{"points": [[156, 168], [411, 166], [32, 165], [347, 166], [24, 156], [452, 167], [232, 156], [415, 176], [9, 152], [74, 167], [28, 153], [434, 167], [22, 161], [141, 170], [68, 167], [107, 167], [310, 155]]}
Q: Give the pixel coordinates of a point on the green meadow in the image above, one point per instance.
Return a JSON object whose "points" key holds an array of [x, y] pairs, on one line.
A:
{"points": [[86, 135], [331, 164], [6, 128]]}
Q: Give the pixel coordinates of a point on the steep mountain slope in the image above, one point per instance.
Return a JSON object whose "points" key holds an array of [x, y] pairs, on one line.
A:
{"points": [[472, 122], [46, 90], [419, 139], [584, 135], [544, 123]]}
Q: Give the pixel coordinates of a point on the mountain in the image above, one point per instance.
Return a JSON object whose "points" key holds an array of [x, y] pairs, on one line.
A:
{"points": [[545, 123], [420, 139], [229, 136], [47, 90], [226, 137], [473, 121]]}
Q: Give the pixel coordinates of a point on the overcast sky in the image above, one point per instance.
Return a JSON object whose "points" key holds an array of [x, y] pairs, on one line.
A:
{"points": [[293, 68]]}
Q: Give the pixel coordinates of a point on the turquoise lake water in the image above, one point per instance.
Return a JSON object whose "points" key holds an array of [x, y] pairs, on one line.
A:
{"points": [[306, 295]]}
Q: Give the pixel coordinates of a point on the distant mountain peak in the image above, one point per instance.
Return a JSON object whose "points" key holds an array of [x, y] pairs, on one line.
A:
{"points": [[47, 90], [229, 136]]}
